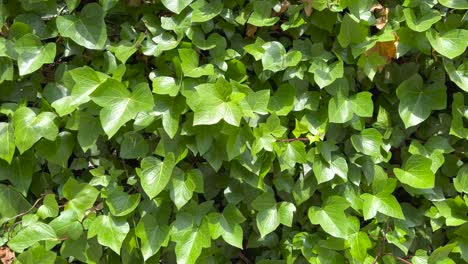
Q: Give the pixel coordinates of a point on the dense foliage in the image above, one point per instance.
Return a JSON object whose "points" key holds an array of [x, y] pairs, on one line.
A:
{"points": [[219, 131]]}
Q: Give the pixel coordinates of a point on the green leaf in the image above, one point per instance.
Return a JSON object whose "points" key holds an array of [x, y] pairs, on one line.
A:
{"points": [[88, 29], [176, 6], [171, 109], [80, 196], [455, 4], [7, 142], [156, 174], [49, 207], [422, 23], [359, 243], [268, 220], [325, 170], [86, 81], [325, 73], [384, 203], [453, 210], [440, 255], [286, 212], [67, 224], [121, 204], [37, 254], [282, 102], [293, 153], [153, 235], [82, 249], [457, 75], [256, 49], [19, 172], [457, 127], [12, 201], [276, 59], [351, 32], [368, 142], [341, 109], [165, 85], [204, 11], [213, 102], [29, 127], [120, 105], [227, 225], [461, 181], [272, 214], [304, 188], [331, 217], [58, 151], [450, 44], [32, 54], [123, 50], [434, 150], [6, 69], [417, 102], [371, 63], [181, 190], [89, 130], [230, 224], [189, 64], [261, 15], [190, 241], [133, 146], [416, 172], [30, 235], [110, 231]]}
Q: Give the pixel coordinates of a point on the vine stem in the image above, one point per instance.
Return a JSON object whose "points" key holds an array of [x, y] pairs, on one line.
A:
{"points": [[21, 214], [381, 247], [399, 258], [293, 139], [29, 210]]}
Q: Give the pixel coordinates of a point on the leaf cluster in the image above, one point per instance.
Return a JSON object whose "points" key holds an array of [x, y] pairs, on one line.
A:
{"points": [[233, 131]]}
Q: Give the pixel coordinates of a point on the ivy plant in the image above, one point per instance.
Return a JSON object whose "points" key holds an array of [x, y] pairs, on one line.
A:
{"points": [[211, 131]]}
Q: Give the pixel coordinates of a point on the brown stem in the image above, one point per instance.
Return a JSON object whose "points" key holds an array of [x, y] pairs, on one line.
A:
{"points": [[398, 258], [244, 258], [29, 210], [293, 139], [381, 246]]}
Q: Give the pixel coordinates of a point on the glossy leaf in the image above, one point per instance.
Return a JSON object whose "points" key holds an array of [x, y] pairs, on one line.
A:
{"points": [[29, 127], [450, 44], [86, 81], [110, 232], [7, 142], [32, 54], [331, 217], [31, 234], [120, 105], [88, 29], [416, 172], [417, 101], [155, 174], [176, 6]]}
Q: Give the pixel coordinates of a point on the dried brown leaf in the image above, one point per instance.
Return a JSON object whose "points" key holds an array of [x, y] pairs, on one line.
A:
{"points": [[284, 7], [386, 49], [307, 7], [381, 14], [250, 30], [7, 256]]}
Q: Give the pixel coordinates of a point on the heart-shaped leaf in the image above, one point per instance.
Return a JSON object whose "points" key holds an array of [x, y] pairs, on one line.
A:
{"points": [[88, 29], [29, 127], [120, 105]]}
